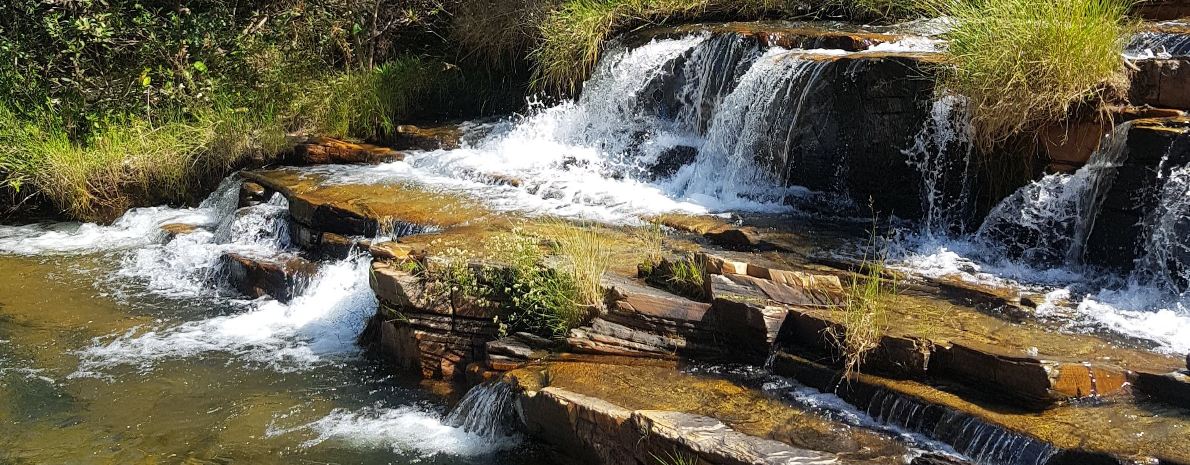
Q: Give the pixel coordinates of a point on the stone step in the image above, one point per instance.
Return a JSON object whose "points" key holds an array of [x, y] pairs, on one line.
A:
{"points": [[1070, 434], [281, 277], [328, 151]]}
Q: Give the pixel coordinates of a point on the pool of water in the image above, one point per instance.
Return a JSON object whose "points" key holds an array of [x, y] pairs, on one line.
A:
{"points": [[93, 370]]}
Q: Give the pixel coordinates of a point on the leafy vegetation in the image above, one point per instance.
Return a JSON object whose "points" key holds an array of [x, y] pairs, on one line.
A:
{"points": [[1024, 63], [113, 104]]}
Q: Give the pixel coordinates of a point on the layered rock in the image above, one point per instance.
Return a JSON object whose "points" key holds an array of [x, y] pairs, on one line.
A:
{"points": [[428, 325], [327, 151]]}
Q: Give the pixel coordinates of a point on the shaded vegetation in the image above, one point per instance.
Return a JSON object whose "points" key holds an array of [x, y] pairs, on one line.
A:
{"points": [[862, 310]]}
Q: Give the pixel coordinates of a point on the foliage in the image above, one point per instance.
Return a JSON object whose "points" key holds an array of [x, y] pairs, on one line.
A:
{"points": [[552, 294], [676, 458], [573, 34], [1023, 63], [862, 310]]}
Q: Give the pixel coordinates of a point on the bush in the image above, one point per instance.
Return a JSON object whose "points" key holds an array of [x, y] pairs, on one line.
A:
{"points": [[1023, 63]]}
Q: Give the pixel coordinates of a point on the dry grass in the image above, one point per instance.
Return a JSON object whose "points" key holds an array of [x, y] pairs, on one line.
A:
{"points": [[1023, 63]]}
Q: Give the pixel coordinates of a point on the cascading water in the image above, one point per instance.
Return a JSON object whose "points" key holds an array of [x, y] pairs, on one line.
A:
{"points": [[1158, 44], [1047, 223], [941, 152], [1165, 254], [488, 410]]}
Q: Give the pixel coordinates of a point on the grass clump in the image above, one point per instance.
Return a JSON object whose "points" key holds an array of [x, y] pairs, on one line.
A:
{"points": [[1023, 63], [862, 309], [572, 35], [552, 293]]}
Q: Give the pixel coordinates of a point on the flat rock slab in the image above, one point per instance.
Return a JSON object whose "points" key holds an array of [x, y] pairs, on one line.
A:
{"points": [[364, 209], [1170, 388], [605, 433]]}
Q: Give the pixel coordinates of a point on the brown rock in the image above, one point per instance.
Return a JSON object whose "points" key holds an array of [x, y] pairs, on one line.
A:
{"points": [[628, 297], [417, 138], [1033, 382], [405, 290], [281, 278], [715, 442], [252, 194], [325, 151], [734, 238], [1161, 82], [173, 230]]}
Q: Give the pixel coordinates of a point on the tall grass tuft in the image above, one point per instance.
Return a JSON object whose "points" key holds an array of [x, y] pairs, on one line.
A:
{"points": [[862, 310], [1023, 63], [573, 33]]}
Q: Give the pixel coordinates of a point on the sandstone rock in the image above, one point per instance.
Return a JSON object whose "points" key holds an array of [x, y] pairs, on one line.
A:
{"points": [[325, 151], [715, 442], [403, 289], [599, 432], [626, 297], [417, 138], [174, 230], [389, 251], [252, 194], [281, 278], [1030, 381], [720, 265]]}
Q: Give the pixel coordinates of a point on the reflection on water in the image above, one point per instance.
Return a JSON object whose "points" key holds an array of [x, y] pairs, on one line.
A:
{"points": [[211, 406]]}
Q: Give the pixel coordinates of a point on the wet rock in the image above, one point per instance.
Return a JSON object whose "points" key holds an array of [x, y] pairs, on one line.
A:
{"points": [[252, 194], [281, 278], [597, 431], [1162, 10], [1028, 381], [1161, 82], [734, 238], [390, 251], [327, 151], [405, 290], [671, 160], [174, 230], [1169, 388], [411, 137]]}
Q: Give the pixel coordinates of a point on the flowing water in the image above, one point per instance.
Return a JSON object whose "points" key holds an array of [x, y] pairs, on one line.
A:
{"points": [[118, 347]]}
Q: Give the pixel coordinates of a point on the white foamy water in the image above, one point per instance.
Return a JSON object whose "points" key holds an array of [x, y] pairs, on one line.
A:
{"points": [[1033, 242], [323, 321], [409, 430]]}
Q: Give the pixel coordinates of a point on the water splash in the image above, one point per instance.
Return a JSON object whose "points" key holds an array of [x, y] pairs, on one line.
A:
{"points": [[1157, 45], [1047, 222], [941, 152]]}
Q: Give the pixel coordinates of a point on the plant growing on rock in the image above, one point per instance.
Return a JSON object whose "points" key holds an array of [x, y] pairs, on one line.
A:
{"points": [[862, 309], [1025, 63]]}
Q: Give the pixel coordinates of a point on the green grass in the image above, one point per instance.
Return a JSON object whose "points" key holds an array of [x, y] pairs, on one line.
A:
{"points": [[552, 293], [1025, 63], [862, 310], [573, 34], [129, 160]]}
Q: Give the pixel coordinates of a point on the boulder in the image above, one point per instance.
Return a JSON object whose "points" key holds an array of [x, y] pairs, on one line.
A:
{"points": [[390, 251], [281, 278], [410, 137], [174, 230], [671, 160], [741, 238]]}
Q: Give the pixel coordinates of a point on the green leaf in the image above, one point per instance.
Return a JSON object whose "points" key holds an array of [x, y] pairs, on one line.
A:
{"points": [[145, 81], [356, 29], [200, 66]]}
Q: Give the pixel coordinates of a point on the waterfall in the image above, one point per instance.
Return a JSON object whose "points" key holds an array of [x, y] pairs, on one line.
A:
{"points": [[487, 411], [1047, 222], [1165, 253], [941, 152], [1158, 44], [984, 443], [752, 129], [710, 75]]}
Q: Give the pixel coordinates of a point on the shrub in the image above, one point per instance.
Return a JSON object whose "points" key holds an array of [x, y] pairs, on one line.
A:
{"points": [[1023, 63]]}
